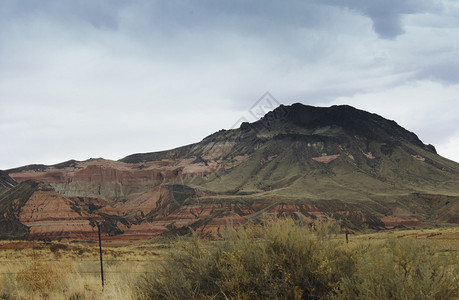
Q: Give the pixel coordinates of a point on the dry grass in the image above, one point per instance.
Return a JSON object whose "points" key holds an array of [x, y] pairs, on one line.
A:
{"points": [[71, 271], [445, 239], [65, 271]]}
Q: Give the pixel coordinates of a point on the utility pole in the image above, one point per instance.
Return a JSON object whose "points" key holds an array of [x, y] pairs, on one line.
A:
{"points": [[101, 262]]}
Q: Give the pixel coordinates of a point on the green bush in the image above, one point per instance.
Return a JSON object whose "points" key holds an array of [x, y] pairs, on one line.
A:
{"points": [[401, 269], [287, 260], [282, 259]]}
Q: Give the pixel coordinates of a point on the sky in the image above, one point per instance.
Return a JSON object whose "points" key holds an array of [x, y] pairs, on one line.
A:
{"points": [[82, 79]]}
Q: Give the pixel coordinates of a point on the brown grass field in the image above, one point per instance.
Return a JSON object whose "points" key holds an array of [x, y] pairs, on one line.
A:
{"points": [[39, 270]]}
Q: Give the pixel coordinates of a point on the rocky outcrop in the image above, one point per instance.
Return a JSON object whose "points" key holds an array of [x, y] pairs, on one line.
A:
{"points": [[111, 180], [6, 181], [50, 215]]}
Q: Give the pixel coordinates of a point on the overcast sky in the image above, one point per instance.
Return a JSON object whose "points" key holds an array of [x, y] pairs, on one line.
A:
{"points": [[87, 78]]}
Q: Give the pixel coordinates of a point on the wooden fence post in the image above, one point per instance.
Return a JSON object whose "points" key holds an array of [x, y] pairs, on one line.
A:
{"points": [[101, 262]]}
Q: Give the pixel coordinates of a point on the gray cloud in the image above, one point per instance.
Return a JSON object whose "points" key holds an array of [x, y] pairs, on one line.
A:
{"points": [[84, 78], [387, 15], [447, 72]]}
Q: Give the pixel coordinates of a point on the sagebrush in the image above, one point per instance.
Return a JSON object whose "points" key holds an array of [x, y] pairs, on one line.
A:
{"points": [[288, 260]]}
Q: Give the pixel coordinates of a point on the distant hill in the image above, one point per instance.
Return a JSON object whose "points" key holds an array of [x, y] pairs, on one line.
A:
{"points": [[302, 161]]}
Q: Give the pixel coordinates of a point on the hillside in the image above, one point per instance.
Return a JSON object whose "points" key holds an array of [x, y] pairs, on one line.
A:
{"points": [[6, 181], [308, 162]]}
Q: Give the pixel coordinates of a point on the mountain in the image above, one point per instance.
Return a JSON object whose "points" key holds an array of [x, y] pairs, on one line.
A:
{"points": [[302, 161]]}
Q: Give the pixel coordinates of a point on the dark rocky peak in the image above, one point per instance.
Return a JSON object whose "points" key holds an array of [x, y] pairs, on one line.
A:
{"points": [[344, 116], [353, 121]]}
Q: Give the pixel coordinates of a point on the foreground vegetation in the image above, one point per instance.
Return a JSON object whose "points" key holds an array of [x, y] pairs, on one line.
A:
{"points": [[285, 260], [280, 260], [58, 271]]}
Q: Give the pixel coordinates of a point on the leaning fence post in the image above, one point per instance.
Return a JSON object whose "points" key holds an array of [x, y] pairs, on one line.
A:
{"points": [[101, 262]]}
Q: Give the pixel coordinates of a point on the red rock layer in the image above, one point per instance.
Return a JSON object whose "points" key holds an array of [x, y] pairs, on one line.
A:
{"points": [[50, 215], [391, 222], [113, 180]]}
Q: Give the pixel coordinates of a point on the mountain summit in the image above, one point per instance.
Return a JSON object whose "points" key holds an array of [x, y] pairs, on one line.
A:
{"points": [[350, 120], [302, 161]]}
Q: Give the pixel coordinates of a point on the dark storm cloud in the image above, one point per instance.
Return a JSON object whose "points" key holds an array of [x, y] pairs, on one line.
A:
{"points": [[100, 14], [387, 15], [264, 17], [249, 17]]}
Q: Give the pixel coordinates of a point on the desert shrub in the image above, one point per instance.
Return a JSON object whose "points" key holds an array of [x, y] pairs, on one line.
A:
{"points": [[288, 260], [282, 260], [401, 269], [56, 247]]}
